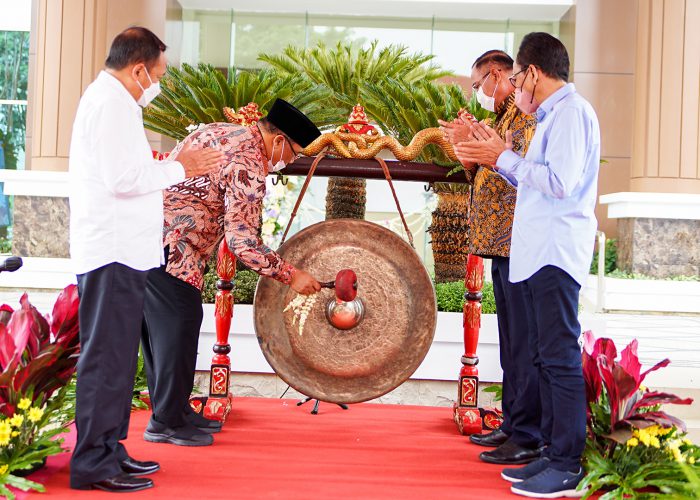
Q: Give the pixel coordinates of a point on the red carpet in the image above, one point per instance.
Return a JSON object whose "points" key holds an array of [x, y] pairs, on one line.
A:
{"points": [[271, 448]]}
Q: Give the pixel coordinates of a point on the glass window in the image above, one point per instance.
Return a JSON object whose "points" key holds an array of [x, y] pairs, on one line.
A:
{"points": [[14, 63], [457, 50], [256, 34]]}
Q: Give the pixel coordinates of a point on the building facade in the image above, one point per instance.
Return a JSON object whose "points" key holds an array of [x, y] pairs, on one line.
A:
{"points": [[635, 60]]}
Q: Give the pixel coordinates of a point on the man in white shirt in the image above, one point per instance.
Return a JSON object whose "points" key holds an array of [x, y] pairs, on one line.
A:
{"points": [[116, 205]]}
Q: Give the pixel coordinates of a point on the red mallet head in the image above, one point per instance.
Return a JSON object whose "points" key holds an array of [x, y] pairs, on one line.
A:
{"points": [[346, 285]]}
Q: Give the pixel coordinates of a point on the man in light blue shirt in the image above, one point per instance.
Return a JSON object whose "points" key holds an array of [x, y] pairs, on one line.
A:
{"points": [[552, 244]]}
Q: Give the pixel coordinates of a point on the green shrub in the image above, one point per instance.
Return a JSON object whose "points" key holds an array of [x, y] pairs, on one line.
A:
{"points": [[610, 257], [243, 290], [450, 297]]}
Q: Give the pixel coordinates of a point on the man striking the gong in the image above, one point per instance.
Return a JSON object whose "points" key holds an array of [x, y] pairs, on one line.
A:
{"points": [[198, 213]]}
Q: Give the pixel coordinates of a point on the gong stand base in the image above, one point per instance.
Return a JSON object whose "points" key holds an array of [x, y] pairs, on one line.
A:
{"points": [[218, 404], [317, 402], [471, 419], [214, 408]]}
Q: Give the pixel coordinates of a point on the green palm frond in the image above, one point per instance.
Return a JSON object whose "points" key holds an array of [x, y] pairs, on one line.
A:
{"points": [[191, 96], [346, 70], [402, 109]]}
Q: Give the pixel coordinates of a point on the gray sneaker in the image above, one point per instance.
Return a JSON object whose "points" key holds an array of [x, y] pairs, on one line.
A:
{"points": [[523, 473], [551, 483]]}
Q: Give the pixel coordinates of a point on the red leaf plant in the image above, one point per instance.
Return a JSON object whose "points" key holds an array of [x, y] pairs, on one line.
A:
{"points": [[38, 354], [615, 401]]}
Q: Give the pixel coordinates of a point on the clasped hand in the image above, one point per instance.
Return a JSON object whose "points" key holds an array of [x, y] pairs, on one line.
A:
{"points": [[475, 142], [198, 161]]}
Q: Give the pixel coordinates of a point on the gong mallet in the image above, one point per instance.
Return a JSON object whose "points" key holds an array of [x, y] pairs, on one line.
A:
{"points": [[341, 312], [345, 311], [345, 285]]}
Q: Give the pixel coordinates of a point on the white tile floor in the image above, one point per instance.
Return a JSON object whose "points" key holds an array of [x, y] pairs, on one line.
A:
{"points": [[659, 337]]}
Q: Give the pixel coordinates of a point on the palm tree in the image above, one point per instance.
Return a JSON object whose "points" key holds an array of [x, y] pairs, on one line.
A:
{"points": [[191, 96], [345, 70], [449, 231], [402, 109]]}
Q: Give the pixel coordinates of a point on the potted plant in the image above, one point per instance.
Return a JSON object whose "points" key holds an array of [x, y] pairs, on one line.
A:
{"points": [[38, 356], [633, 448]]}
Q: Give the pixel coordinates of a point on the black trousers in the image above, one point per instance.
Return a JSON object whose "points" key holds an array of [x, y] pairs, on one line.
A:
{"points": [[552, 296], [110, 314], [521, 404], [172, 320]]}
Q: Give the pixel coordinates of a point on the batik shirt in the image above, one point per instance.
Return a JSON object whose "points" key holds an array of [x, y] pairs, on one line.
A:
{"points": [[493, 197], [202, 210]]}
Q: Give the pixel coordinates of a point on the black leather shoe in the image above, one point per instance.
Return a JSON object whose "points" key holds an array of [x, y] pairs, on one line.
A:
{"points": [[492, 439], [186, 435], [121, 483], [202, 423], [138, 468], [510, 453]]}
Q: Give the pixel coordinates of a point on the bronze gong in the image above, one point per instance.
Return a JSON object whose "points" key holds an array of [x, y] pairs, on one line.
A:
{"points": [[384, 349]]}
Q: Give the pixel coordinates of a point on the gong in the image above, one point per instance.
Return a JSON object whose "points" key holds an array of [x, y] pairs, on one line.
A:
{"points": [[384, 349]]}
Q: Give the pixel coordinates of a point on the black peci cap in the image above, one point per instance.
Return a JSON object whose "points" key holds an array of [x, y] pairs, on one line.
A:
{"points": [[293, 122]]}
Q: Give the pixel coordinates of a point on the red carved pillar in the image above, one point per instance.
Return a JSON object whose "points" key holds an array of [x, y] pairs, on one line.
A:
{"points": [[466, 410], [219, 402]]}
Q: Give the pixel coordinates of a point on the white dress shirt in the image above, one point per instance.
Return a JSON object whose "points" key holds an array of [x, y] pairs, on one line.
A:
{"points": [[116, 200]]}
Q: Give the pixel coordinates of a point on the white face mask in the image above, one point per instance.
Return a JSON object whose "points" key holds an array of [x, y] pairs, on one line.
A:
{"points": [[486, 102], [148, 94], [280, 164]]}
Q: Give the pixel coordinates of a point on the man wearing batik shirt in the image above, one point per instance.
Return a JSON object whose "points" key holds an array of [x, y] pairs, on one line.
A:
{"points": [[553, 235], [490, 228], [198, 213]]}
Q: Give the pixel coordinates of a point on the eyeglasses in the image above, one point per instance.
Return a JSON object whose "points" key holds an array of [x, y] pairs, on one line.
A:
{"points": [[297, 154], [476, 85], [513, 79]]}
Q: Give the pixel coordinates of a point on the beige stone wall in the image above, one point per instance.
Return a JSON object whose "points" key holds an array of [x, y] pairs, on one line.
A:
{"points": [[41, 227], [661, 248]]}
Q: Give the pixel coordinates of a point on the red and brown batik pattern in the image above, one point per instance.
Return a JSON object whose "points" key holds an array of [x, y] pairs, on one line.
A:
{"points": [[493, 198], [200, 211]]}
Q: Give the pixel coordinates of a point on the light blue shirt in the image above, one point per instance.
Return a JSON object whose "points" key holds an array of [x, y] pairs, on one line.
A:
{"points": [[557, 181]]}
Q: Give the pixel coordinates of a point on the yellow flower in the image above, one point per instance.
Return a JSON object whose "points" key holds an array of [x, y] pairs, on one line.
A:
{"points": [[3, 469], [643, 436], [15, 434], [643, 388], [691, 460], [648, 436], [687, 441], [632, 442], [16, 420], [24, 403], [674, 448], [35, 414], [5, 433], [662, 431]]}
